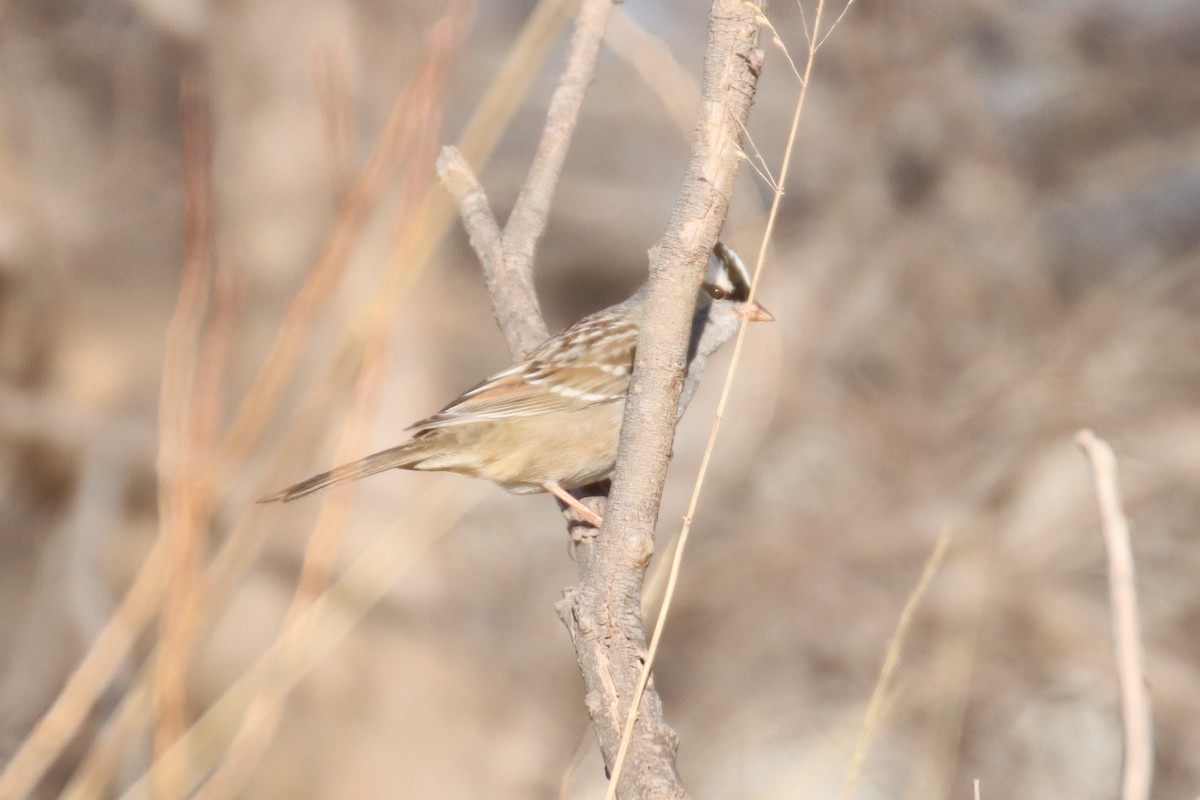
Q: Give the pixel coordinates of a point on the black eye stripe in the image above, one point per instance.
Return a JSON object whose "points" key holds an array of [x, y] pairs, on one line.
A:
{"points": [[735, 272]]}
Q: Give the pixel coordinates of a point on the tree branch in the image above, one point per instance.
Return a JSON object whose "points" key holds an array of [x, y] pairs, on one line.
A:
{"points": [[604, 613], [507, 257], [529, 214]]}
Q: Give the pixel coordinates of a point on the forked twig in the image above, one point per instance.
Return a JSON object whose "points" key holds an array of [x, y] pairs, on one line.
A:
{"points": [[507, 255]]}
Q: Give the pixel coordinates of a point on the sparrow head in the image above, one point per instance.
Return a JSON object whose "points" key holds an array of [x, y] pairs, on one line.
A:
{"points": [[728, 282]]}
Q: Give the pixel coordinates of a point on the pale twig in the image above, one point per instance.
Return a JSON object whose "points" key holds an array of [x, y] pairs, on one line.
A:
{"points": [[507, 261], [515, 306], [875, 708], [513, 79], [481, 225], [1127, 634]]}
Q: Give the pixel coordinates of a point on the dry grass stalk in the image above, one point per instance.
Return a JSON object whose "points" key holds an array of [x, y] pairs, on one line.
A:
{"points": [[262, 715], [185, 430], [238, 550], [317, 629], [879, 697]]}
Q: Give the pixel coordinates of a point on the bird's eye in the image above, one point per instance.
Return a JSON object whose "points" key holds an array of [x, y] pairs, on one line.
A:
{"points": [[715, 292]]}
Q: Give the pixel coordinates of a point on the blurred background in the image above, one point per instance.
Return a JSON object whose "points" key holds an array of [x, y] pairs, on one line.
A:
{"points": [[990, 239]]}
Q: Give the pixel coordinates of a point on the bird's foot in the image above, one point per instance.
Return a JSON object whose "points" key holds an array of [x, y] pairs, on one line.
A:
{"points": [[589, 516]]}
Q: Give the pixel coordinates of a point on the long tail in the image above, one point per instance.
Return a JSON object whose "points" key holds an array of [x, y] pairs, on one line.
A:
{"points": [[399, 457]]}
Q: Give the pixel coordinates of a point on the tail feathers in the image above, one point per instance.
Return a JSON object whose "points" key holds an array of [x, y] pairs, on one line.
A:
{"points": [[404, 456]]}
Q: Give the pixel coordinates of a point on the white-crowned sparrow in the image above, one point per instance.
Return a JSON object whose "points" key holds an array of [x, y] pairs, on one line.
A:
{"points": [[551, 422]]}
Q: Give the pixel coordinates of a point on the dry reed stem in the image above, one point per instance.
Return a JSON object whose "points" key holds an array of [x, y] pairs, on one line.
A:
{"points": [[337, 114], [1136, 715], [239, 549], [875, 709], [96, 670], [946, 683], [394, 146], [94, 776], [176, 547], [182, 515], [64, 717], [320, 627], [430, 220], [320, 556]]}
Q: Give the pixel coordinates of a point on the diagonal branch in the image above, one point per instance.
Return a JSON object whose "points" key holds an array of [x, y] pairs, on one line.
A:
{"points": [[604, 613], [507, 256], [603, 616]]}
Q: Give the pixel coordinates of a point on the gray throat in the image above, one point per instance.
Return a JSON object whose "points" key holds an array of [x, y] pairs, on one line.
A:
{"points": [[713, 326]]}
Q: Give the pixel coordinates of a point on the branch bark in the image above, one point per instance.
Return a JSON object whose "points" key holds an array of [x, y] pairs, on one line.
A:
{"points": [[604, 613], [507, 256]]}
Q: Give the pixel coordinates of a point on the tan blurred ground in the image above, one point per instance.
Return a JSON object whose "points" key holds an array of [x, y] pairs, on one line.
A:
{"points": [[991, 240]]}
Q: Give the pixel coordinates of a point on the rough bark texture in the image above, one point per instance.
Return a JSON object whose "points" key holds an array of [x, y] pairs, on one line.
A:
{"points": [[604, 613]]}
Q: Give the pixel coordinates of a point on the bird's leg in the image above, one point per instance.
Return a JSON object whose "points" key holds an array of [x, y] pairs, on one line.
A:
{"points": [[562, 494]]}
